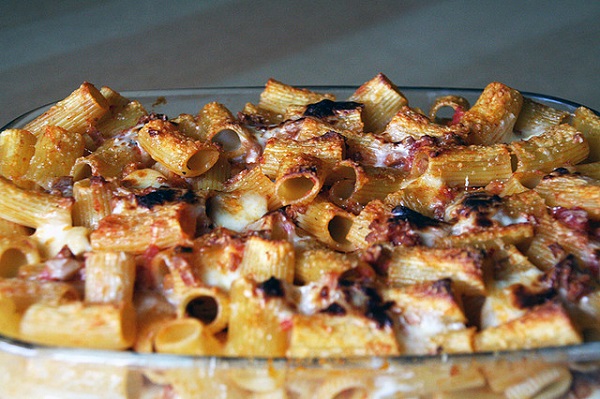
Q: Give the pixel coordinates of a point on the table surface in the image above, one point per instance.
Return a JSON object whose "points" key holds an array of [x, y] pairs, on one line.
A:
{"points": [[49, 48]]}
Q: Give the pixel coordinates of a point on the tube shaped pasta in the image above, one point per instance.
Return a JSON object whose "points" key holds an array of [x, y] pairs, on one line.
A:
{"points": [[571, 191], [545, 325], [109, 160], [17, 147], [314, 263], [32, 208], [353, 184], [559, 145], [409, 122], [221, 127], [10, 319], [417, 264], [553, 241], [186, 336], [16, 251], [535, 118], [76, 113], [331, 335], [300, 179], [492, 118], [209, 305], [134, 231], [382, 100], [277, 97], [8, 228], [109, 277], [120, 118], [588, 123], [75, 324], [327, 222], [92, 201], [179, 153], [330, 148], [591, 169], [25, 293], [264, 259], [56, 151], [255, 181], [255, 326], [466, 165]]}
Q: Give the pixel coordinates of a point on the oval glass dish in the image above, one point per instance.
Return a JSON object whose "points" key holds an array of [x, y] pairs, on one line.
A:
{"points": [[37, 371]]}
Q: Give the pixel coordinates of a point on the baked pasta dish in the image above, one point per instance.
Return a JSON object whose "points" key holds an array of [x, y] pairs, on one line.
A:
{"points": [[305, 226]]}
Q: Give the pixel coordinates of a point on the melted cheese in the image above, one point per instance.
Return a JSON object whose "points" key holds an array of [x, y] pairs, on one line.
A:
{"points": [[235, 213], [54, 236]]}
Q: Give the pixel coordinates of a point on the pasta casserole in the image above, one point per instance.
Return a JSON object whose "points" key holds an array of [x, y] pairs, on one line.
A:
{"points": [[305, 226]]}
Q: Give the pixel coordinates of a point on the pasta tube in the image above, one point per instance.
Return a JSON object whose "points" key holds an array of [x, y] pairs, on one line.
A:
{"points": [[588, 123], [32, 208], [186, 337], [75, 324], [17, 147], [417, 264], [56, 151], [264, 259], [332, 335], [76, 113], [382, 100], [277, 97], [328, 223], [492, 118], [16, 251], [255, 325], [179, 153], [559, 145], [134, 231], [109, 277], [300, 179]]}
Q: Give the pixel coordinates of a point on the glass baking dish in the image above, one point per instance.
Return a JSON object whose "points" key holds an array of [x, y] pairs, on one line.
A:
{"points": [[36, 371]]}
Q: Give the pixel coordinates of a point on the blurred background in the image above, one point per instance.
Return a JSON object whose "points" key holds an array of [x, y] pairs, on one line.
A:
{"points": [[49, 47]]}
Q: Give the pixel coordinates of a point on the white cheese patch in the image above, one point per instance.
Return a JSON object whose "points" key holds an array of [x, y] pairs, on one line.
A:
{"points": [[54, 236], [236, 212]]}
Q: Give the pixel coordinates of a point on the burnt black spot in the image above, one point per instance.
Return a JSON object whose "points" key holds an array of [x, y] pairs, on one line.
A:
{"points": [[180, 249], [325, 108], [378, 312], [524, 298], [334, 309], [165, 195], [356, 276], [483, 221], [480, 201], [272, 288], [416, 219]]}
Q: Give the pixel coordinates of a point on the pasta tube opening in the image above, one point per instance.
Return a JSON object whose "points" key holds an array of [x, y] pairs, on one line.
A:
{"points": [[177, 331], [201, 161], [338, 228], [228, 140], [204, 308], [81, 171], [295, 188], [342, 190], [10, 262]]}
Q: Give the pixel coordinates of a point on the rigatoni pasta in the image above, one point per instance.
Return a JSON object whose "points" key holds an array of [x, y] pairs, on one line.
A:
{"points": [[305, 226]]}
